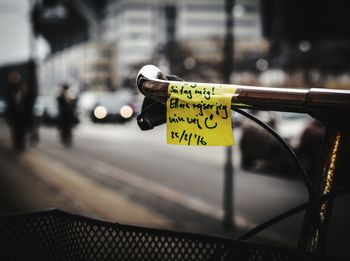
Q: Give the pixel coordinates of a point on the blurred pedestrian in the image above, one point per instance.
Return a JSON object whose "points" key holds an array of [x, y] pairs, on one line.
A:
{"points": [[67, 117], [33, 87], [18, 110]]}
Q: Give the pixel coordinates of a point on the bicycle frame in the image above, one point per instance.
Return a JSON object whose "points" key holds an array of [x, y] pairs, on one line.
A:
{"points": [[328, 105]]}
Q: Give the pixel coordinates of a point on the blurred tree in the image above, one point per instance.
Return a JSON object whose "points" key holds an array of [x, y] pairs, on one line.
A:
{"points": [[308, 35]]}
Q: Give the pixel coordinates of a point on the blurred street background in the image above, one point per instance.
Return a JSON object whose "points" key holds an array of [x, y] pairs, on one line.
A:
{"points": [[88, 53]]}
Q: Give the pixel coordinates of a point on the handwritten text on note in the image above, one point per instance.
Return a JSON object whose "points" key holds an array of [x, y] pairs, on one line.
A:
{"points": [[199, 114]]}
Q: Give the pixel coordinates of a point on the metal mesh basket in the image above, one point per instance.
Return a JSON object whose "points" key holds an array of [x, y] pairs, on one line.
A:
{"points": [[56, 235]]}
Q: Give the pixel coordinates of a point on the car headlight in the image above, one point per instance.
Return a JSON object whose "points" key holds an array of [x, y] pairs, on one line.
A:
{"points": [[126, 111], [100, 112]]}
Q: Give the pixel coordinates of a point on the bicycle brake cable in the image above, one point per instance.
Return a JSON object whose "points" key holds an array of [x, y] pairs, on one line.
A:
{"points": [[294, 157]]}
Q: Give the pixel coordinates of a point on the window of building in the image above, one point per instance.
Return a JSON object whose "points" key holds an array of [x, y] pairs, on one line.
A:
{"points": [[141, 21], [205, 22], [205, 7]]}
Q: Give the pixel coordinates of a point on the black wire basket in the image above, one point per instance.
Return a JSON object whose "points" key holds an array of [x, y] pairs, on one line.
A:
{"points": [[57, 235]]}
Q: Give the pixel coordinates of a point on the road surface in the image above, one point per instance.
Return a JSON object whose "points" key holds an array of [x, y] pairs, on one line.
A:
{"points": [[118, 169]]}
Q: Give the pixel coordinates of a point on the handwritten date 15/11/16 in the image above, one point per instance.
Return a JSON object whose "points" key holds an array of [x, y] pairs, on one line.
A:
{"points": [[188, 137]]}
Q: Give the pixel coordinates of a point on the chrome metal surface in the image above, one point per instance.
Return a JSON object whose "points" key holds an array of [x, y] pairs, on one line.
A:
{"points": [[314, 100]]}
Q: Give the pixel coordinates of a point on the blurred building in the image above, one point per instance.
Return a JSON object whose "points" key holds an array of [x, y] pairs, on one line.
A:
{"points": [[120, 35], [85, 66]]}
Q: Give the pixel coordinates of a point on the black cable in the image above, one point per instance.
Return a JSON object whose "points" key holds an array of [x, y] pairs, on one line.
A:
{"points": [[292, 211], [294, 157]]}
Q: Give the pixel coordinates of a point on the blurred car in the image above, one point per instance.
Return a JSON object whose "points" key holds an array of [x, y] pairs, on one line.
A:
{"points": [[2, 106], [310, 146], [257, 144], [113, 107], [46, 110]]}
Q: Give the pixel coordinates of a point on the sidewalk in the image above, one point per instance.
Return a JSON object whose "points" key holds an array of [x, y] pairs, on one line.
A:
{"points": [[32, 181], [36, 180]]}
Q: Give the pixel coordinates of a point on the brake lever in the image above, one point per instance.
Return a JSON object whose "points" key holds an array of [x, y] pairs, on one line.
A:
{"points": [[153, 113]]}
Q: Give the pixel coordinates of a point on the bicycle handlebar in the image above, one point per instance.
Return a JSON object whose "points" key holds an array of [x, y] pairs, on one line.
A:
{"points": [[324, 104], [314, 100]]}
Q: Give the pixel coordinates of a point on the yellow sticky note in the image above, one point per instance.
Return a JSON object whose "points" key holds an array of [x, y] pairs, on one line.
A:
{"points": [[199, 114]]}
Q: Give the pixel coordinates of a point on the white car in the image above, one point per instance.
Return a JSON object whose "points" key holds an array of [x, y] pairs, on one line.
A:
{"points": [[46, 109], [103, 107]]}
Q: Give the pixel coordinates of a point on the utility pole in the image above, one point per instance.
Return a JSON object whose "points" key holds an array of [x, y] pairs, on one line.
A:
{"points": [[32, 36], [227, 70]]}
